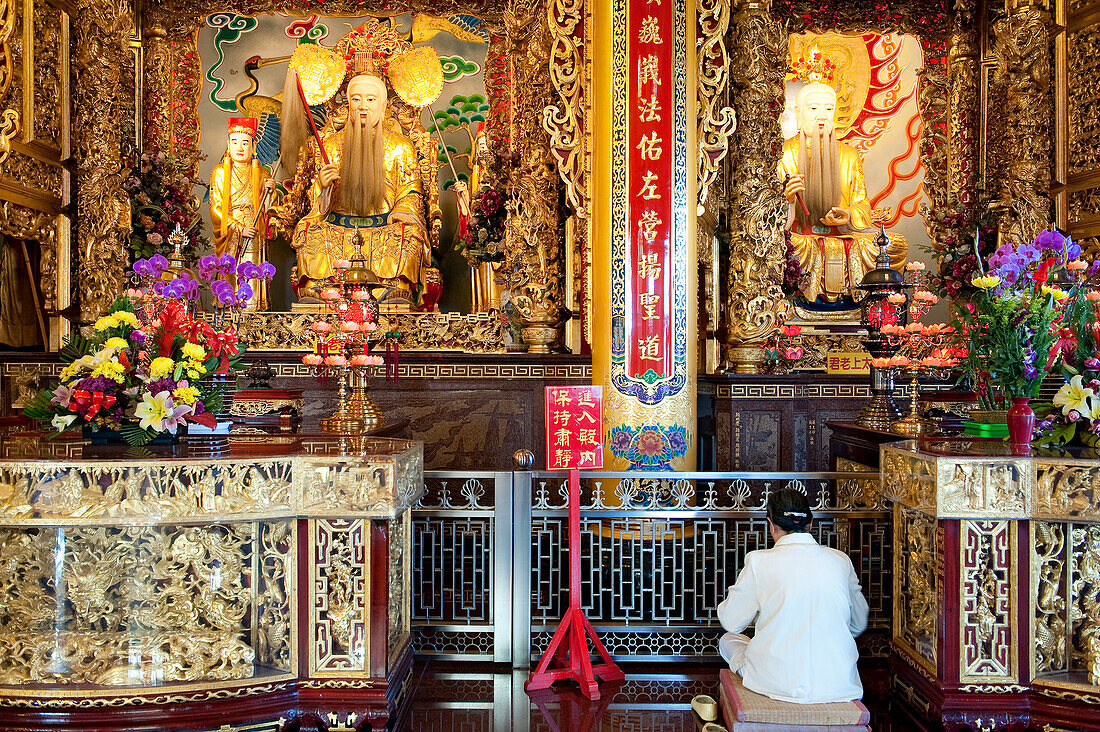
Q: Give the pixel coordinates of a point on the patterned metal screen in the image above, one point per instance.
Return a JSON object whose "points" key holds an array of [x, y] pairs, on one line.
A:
{"points": [[659, 551]]}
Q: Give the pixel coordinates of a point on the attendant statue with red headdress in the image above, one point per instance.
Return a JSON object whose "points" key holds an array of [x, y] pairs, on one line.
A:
{"points": [[239, 188]]}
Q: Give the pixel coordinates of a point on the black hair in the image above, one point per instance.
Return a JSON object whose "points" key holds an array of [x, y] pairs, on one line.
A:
{"points": [[789, 510]]}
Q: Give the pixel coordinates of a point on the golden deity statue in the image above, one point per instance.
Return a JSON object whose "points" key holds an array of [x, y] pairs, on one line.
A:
{"points": [[367, 183], [833, 237], [238, 187]]}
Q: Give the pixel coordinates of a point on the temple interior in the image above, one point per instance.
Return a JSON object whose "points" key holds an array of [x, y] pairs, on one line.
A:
{"points": [[493, 364]]}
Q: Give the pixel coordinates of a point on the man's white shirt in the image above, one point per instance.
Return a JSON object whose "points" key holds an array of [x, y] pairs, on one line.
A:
{"points": [[806, 602]]}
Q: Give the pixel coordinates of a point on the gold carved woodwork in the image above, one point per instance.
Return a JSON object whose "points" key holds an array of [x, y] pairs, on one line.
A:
{"points": [[339, 631], [987, 595], [1023, 56], [474, 333], [916, 606], [9, 128], [565, 122], [716, 121], [35, 96], [100, 52], [1048, 582], [534, 265], [758, 210], [144, 592]]}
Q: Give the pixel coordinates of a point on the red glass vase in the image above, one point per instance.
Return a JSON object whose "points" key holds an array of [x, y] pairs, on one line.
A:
{"points": [[1021, 423]]}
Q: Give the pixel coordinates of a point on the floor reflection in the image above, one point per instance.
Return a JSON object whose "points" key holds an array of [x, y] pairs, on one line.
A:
{"points": [[457, 698]]}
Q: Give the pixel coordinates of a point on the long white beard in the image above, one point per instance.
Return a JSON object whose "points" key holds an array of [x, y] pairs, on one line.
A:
{"points": [[362, 173], [819, 162]]}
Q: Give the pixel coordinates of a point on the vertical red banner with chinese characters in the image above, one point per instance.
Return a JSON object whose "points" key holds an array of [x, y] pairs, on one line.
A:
{"points": [[649, 323], [574, 419]]}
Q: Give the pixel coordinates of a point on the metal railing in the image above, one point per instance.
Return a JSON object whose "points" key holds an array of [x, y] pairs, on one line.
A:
{"points": [[659, 551]]}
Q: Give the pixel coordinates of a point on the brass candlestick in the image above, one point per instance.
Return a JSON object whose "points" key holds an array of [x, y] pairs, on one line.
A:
{"points": [[355, 411], [913, 425]]}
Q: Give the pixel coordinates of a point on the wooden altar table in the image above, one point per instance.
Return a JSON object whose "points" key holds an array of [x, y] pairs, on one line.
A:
{"points": [[996, 584]]}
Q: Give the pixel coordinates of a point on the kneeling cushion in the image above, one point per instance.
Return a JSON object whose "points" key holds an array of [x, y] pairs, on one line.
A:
{"points": [[747, 711]]}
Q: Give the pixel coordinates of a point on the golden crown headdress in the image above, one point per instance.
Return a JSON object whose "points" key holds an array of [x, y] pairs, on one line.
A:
{"points": [[813, 69]]}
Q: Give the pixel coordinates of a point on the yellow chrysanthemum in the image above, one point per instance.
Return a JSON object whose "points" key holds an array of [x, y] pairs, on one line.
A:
{"points": [[161, 367], [116, 342], [194, 352], [111, 369], [107, 322], [127, 317], [195, 370], [186, 395], [986, 283]]}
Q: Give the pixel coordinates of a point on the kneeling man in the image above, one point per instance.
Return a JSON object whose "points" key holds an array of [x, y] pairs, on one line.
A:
{"points": [[807, 606]]}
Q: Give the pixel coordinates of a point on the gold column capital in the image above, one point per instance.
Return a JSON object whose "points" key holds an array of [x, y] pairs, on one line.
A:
{"points": [[1022, 7]]}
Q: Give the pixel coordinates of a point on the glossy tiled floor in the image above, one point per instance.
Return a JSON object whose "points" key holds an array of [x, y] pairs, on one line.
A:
{"points": [[454, 698]]}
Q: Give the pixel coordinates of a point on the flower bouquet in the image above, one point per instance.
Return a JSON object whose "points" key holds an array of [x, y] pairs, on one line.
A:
{"points": [[1012, 321], [484, 239], [160, 200], [148, 369], [1012, 325]]}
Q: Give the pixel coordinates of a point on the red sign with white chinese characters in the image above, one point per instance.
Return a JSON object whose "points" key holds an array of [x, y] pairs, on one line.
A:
{"points": [[574, 427], [650, 219]]}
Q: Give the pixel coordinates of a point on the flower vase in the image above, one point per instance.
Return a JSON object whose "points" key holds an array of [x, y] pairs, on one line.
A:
{"points": [[1021, 424]]}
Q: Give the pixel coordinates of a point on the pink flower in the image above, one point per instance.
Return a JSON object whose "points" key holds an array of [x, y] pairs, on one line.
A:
{"points": [[349, 326], [330, 293], [896, 298], [361, 359], [342, 264], [925, 296], [1077, 265], [1093, 295], [336, 361], [320, 326], [790, 330], [312, 359], [360, 295], [915, 266]]}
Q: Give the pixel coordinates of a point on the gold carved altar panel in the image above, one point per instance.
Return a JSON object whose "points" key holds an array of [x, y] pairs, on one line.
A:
{"points": [[1076, 189], [36, 102], [179, 570]]}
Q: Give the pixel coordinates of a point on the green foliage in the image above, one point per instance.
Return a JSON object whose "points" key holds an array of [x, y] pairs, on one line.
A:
{"points": [[135, 435], [75, 346], [40, 406]]}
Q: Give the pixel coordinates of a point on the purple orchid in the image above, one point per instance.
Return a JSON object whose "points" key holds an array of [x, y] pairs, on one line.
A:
{"points": [[227, 263], [208, 267], [244, 294], [157, 264], [248, 270], [267, 270]]}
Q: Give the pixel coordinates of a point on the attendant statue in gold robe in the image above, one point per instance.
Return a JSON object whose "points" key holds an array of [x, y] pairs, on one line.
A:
{"points": [[366, 189], [835, 243], [237, 189]]}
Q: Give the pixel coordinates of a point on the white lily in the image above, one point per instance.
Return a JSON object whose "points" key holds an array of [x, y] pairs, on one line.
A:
{"points": [[1076, 397]]}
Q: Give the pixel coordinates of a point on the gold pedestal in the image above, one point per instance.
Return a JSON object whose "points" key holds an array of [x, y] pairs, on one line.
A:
{"points": [[747, 359], [355, 410], [913, 425]]}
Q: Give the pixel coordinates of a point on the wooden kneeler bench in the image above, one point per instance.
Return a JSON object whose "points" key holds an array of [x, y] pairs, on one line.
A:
{"points": [[747, 711]]}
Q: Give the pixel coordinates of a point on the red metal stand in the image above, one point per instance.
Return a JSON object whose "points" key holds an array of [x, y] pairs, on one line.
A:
{"points": [[567, 656]]}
